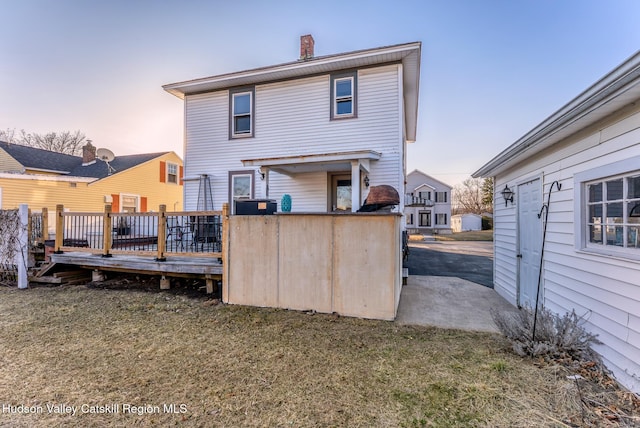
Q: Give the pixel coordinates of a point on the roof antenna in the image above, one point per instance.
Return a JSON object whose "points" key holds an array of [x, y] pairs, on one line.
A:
{"points": [[106, 156]]}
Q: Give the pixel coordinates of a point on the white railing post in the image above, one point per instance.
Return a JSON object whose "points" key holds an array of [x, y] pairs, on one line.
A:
{"points": [[22, 253]]}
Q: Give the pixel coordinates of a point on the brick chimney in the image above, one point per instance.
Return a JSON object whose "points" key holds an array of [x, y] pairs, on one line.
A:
{"points": [[88, 154], [306, 47]]}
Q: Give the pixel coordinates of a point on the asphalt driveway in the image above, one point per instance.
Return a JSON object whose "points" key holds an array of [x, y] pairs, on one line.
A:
{"points": [[469, 260]]}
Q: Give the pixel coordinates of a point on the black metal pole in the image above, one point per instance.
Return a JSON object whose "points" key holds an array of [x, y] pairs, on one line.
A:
{"points": [[544, 208]]}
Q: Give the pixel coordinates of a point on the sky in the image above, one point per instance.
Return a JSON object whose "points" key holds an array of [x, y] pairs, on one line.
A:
{"points": [[491, 70]]}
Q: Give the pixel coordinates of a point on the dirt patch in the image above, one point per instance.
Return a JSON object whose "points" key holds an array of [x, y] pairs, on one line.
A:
{"points": [[163, 359]]}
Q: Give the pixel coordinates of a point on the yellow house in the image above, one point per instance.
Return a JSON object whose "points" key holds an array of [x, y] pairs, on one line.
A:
{"points": [[132, 183]]}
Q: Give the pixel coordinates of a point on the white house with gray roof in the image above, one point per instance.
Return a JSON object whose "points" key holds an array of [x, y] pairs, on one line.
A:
{"points": [[321, 129], [427, 204]]}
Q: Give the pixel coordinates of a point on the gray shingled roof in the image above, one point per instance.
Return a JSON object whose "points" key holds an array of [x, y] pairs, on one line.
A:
{"points": [[70, 165], [30, 157], [99, 169]]}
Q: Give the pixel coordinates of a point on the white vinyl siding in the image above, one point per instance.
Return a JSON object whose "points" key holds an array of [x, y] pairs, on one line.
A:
{"points": [[281, 134], [605, 289]]}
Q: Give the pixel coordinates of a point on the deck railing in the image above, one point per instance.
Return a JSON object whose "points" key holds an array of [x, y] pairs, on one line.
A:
{"points": [[160, 234], [413, 201], [38, 228]]}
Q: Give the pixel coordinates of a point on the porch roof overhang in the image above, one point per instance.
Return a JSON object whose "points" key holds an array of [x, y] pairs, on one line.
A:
{"points": [[330, 162], [616, 91]]}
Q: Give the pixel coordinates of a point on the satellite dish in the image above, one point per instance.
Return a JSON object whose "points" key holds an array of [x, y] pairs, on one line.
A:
{"points": [[105, 155]]}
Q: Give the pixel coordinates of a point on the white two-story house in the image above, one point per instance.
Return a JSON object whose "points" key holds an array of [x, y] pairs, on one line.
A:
{"points": [[320, 129], [427, 204]]}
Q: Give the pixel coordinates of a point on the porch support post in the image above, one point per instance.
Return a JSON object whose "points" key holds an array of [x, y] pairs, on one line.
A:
{"points": [[355, 185], [106, 231], [162, 233], [265, 182], [45, 225], [59, 229]]}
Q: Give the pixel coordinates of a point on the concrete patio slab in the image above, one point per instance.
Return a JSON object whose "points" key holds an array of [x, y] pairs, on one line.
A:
{"points": [[449, 302]]}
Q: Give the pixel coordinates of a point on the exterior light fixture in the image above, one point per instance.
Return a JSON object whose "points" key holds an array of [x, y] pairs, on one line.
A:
{"points": [[507, 194], [366, 180]]}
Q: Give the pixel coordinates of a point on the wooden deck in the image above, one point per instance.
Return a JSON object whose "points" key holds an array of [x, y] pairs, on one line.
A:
{"points": [[173, 266], [207, 268]]}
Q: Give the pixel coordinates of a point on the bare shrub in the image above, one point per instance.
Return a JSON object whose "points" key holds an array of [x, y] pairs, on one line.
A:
{"points": [[556, 336], [9, 245]]}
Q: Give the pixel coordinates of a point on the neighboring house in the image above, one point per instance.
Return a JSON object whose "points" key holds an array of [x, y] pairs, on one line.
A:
{"points": [[591, 149], [427, 204], [466, 222], [132, 183], [321, 129]]}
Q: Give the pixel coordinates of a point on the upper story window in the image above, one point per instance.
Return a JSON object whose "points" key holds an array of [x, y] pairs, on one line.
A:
{"points": [[172, 173], [241, 103], [441, 196], [343, 95], [425, 195]]}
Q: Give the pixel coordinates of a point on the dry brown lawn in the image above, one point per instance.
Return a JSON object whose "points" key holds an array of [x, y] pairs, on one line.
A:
{"points": [[479, 235], [218, 365]]}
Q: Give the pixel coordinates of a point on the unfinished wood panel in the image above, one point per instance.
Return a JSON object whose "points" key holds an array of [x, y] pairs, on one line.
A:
{"points": [[253, 261], [305, 262], [344, 263], [365, 266]]}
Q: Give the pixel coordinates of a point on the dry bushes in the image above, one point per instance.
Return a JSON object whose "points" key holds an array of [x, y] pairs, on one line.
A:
{"points": [[555, 335], [561, 341], [9, 245]]}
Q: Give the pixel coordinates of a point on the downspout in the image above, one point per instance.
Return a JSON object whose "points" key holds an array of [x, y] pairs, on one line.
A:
{"points": [[545, 208]]}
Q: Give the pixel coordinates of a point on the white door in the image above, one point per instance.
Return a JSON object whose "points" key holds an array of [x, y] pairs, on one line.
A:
{"points": [[240, 187], [341, 193], [528, 200]]}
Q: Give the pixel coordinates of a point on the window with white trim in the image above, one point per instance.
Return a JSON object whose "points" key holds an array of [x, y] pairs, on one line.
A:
{"points": [[343, 95], [441, 196], [129, 203], [241, 105], [172, 173], [613, 212], [410, 218], [441, 219], [425, 195]]}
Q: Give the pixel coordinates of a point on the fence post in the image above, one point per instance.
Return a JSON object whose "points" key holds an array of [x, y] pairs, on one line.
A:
{"points": [[59, 229], [45, 225], [162, 233], [225, 259], [23, 246], [106, 231]]}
